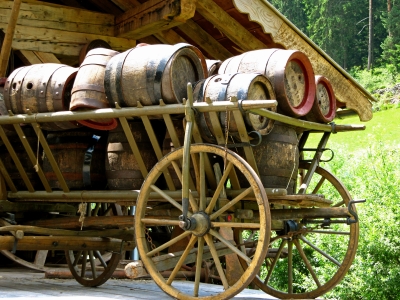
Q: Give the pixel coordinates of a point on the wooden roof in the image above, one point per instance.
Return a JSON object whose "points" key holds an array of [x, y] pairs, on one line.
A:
{"points": [[56, 31]]}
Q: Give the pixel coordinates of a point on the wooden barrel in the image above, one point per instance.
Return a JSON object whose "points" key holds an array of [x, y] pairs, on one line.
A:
{"points": [[290, 72], [8, 129], [324, 107], [213, 66], [80, 155], [149, 73], [221, 88], [122, 167], [88, 90], [98, 43], [31, 137], [277, 158], [41, 88]]}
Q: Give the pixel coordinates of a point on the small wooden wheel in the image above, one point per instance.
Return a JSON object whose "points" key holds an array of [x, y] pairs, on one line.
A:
{"points": [[304, 261], [93, 268], [205, 246]]}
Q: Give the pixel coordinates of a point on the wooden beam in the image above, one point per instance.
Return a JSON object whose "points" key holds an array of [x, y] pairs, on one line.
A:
{"points": [[228, 25], [207, 42], [40, 14], [106, 6], [152, 17], [36, 57], [6, 45], [169, 37], [61, 42], [30, 243], [126, 4]]}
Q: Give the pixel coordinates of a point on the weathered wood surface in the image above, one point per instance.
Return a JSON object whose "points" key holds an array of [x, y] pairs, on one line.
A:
{"points": [[34, 285], [65, 243], [36, 57], [6, 43], [60, 29], [149, 17], [284, 33]]}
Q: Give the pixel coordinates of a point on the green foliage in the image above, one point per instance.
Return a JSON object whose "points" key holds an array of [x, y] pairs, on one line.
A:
{"points": [[373, 174], [367, 163], [376, 78]]}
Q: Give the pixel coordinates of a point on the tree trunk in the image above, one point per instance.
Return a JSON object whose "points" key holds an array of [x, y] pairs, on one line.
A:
{"points": [[370, 42]]}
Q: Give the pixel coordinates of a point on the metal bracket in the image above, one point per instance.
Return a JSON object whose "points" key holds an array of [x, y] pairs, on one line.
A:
{"points": [[352, 212], [320, 150]]}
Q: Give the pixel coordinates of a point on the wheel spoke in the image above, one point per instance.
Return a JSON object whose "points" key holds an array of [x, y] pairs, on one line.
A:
{"points": [[77, 256], [318, 186], [202, 191], [168, 198], [200, 249], [182, 259], [340, 203], [290, 267], [100, 258], [169, 243], [230, 245], [160, 222], [236, 225], [217, 262], [92, 264], [330, 232], [307, 262], [218, 190], [230, 204], [274, 262], [84, 260], [320, 251]]}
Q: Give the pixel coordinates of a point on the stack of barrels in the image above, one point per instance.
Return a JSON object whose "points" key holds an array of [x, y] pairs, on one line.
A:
{"points": [[144, 75]]}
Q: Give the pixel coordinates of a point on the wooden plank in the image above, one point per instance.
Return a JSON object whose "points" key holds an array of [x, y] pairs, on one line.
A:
{"points": [[36, 57], [207, 42], [64, 243], [153, 16], [60, 42], [229, 26], [61, 18], [28, 57], [283, 32]]}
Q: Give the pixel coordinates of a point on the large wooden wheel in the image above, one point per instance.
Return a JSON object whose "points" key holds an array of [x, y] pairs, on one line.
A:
{"points": [[209, 210], [38, 262], [93, 268], [306, 260]]}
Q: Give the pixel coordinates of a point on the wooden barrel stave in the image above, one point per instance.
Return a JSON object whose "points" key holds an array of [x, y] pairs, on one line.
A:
{"points": [[88, 91]]}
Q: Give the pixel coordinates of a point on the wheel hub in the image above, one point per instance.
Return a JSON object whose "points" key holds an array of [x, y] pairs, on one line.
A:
{"points": [[199, 224]]}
